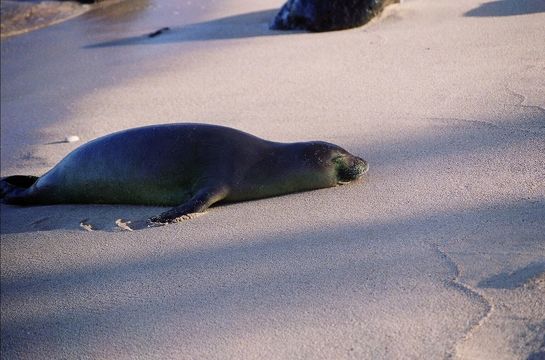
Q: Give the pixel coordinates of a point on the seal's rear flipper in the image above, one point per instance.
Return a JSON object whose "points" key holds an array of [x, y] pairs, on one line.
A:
{"points": [[12, 186], [197, 204], [23, 181]]}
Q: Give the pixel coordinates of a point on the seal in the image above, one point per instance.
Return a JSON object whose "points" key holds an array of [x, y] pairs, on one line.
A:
{"points": [[188, 166], [327, 15]]}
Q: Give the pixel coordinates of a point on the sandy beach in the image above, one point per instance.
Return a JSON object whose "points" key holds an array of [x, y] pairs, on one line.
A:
{"points": [[439, 253]]}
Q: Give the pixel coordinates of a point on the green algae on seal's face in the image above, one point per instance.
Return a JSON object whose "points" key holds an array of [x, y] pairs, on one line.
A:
{"points": [[350, 168], [189, 166]]}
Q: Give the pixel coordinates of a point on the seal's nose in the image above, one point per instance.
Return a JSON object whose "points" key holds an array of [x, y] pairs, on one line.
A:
{"points": [[353, 169], [359, 167], [364, 165]]}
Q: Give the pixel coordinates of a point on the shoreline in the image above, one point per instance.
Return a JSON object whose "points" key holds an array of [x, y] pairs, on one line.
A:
{"points": [[21, 17]]}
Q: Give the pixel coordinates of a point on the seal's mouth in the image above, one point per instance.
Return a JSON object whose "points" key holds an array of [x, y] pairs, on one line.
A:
{"points": [[351, 168]]}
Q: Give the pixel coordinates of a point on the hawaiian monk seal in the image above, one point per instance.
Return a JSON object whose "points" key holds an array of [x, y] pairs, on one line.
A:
{"points": [[189, 166]]}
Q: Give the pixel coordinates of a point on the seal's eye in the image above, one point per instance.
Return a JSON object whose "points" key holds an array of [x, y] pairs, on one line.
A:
{"points": [[337, 159]]}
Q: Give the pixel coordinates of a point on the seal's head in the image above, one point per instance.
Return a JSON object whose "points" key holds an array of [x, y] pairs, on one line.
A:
{"points": [[334, 160], [302, 166]]}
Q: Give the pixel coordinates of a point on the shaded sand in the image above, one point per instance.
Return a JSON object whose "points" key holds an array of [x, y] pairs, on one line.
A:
{"points": [[439, 253]]}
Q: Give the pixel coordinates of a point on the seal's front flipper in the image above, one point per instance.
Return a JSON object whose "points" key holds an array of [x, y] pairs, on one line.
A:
{"points": [[198, 203]]}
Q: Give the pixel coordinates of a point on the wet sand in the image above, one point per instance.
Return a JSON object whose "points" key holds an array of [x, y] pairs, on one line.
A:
{"points": [[18, 17]]}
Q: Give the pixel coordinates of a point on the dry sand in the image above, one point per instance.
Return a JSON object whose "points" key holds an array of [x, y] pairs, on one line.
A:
{"points": [[439, 253]]}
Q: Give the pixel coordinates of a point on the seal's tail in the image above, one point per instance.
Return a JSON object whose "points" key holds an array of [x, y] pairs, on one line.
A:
{"points": [[11, 185]]}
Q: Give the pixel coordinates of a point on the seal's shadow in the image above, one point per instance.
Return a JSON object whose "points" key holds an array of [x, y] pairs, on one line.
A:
{"points": [[248, 25]]}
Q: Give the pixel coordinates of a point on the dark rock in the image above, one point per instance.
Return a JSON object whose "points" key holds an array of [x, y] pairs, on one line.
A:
{"points": [[324, 15]]}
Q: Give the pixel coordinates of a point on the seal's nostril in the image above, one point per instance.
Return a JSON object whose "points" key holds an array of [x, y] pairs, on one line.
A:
{"points": [[362, 165]]}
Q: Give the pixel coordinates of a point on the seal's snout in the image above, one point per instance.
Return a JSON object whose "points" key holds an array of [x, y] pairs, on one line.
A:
{"points": [[352, 168], [362, 165], [359, 167]]}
